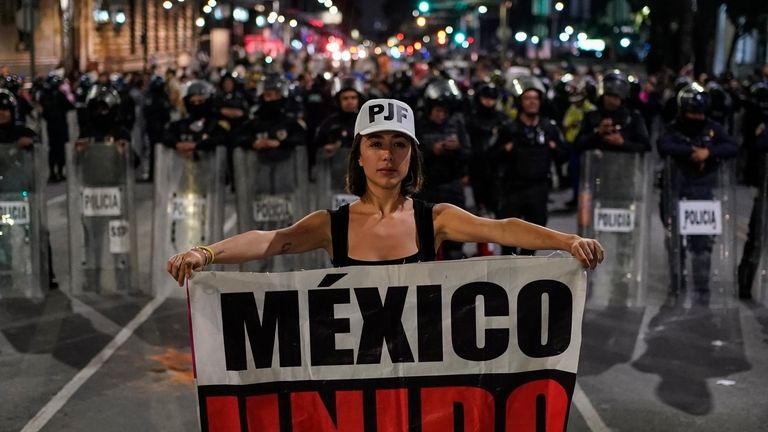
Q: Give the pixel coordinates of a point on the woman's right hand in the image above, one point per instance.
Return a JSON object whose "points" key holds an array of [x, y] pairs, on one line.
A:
{"points": [[181, 265]]}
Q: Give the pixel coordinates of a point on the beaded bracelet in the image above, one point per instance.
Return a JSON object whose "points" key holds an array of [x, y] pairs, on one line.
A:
{"points": [[210, 253]]}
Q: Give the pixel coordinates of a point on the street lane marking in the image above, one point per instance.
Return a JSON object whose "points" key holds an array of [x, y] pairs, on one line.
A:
{"points": [[588, 412], [62, 397]]}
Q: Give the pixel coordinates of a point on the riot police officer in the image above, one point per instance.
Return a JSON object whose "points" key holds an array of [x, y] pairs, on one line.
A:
{"points": [[200, 129], [756, 142], [446, 149], [337, 131], [523, 154], [230, 104], [613, 126], [697, 146], [11, 132], [55, 106], [271, 132], [720, 105], [483, 125], [157, 114], [103, 110]]}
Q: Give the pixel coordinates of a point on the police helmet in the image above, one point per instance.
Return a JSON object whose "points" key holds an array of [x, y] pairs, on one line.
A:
{"points": [[681, 82], [720, 102], [488, 90], [443, 92], [157, 84], [103, 102], [758, 95], [53, 81], [118, 81], [563, 87], [342, 84], [523, 84], [693, 98], [196, 88], [235, 77], [7, 100], [12, 83], [274, 81], [577, 90], [614, 83]]}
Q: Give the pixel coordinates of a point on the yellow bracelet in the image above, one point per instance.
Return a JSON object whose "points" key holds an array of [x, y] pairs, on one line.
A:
{"points": [[210, 251]]}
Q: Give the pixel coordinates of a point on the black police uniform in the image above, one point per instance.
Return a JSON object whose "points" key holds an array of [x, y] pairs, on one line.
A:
{"points": [[483, 125], [271, 122], [697, 183], [523, 174], [628, 122], [756, 143]]}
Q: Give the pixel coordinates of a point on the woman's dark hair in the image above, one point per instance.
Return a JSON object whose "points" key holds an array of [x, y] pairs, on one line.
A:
{"points": [[356, 182]]}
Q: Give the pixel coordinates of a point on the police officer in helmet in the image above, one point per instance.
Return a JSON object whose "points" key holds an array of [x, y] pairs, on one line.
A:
{"points": [[483, 125], [103, 118], [447, 150], [614, 126], [523, 154], [756, 142], [697, 146], [271, 131], [337, 131], [10, 131], [199, 129]]}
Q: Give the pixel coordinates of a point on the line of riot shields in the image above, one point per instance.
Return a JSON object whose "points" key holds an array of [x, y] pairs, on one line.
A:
{"points": [[615, 206]]}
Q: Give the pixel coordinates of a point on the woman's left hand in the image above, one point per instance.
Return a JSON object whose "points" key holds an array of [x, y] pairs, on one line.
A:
{"points": [[588, 251]]}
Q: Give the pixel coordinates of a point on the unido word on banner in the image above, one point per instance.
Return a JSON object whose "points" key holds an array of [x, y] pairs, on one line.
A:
{"points": [[487, 344]]}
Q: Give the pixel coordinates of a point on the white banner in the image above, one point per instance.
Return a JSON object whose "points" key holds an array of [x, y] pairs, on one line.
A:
{"points": [[14, 212], [700, 218], [614, 220], [102, 201], [272, 209], [462, 327]]}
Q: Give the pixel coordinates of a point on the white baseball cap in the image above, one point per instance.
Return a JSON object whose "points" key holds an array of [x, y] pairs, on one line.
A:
{"points": [[378, 115]]}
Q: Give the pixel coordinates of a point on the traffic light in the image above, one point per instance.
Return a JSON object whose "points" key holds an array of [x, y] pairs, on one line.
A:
{"points": [[423, 6]]}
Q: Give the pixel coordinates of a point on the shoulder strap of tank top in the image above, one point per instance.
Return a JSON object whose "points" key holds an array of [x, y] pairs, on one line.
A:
{"points": [[425, 228], [339, 233]]}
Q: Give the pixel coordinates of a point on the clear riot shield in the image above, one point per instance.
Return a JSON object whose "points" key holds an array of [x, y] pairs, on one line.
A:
{"points": [[24, 262], [271, 195], [189, 206], [614, 208], [330, 175], [699, 214], [760, 283], [102, 221]]}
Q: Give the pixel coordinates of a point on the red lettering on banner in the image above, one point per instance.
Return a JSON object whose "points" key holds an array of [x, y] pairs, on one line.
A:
{"points": [[309, 413], [223, 414], [392, 410], [437, 409], [263, 413], [524, 406]]}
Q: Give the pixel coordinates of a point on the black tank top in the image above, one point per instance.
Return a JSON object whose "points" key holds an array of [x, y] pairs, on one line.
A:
{"points": [[422, 213]]}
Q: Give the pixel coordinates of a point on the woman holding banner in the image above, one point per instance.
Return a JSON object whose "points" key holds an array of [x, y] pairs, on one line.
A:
{"points": [[385, 226]]}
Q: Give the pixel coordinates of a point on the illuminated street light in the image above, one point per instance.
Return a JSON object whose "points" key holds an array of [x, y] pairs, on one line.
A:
{"points": [[559, 6], [482, 9], [421, 21], [624, 42], [564, 37], [207, 9], [424, 6], [449, 29], [212, 3], [426, 39], [260, 21], [293, 23], [333, 10], [582, 36], [646, 10], [534, 39], [568, 30], [521, 36], [167, 5], [200, 22], [120, 17], [459, 38]]}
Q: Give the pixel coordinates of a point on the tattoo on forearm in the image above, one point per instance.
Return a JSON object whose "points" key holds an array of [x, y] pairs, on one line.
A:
{"points": [[286, 247]]}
